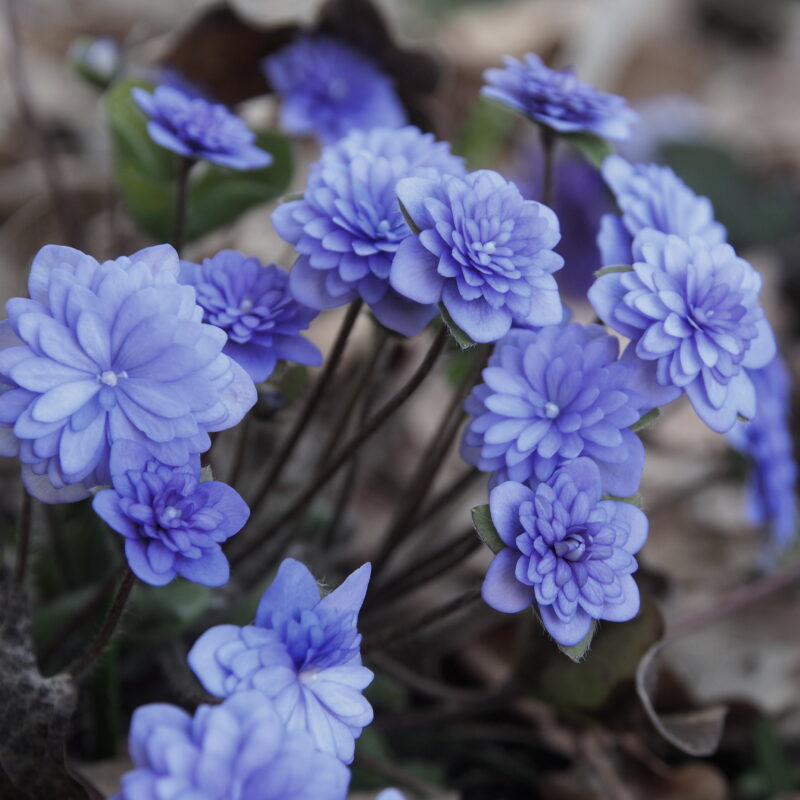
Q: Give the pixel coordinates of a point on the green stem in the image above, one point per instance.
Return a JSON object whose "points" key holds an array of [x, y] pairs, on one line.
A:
{"points": [[181, 209], [548, 164]]}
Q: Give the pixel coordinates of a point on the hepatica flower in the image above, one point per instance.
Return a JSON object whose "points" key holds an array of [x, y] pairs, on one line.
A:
{"points": [[556, 98], [172, 523], [767, 441], [483, 251], [238, 750], [549, 397], [195, 128], [691, 311], [303, 652], [253, 305], [328, 89], [348, 226], [110, 351], [651, 197], [567, 551]]}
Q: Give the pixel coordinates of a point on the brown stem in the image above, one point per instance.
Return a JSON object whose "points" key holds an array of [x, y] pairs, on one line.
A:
{"points": [[23, 538], [429, 463], [349, 449], [181, 209], [98, 646], [411, 627], [310, 406], [548, 164]]}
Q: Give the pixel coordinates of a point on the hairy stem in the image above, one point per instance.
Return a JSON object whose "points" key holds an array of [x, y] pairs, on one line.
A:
{"points": [[348, 450], [98, 646], [23, 538], [411, 627], [181, 210], [548, 164], [308, 409], [430, 462]]}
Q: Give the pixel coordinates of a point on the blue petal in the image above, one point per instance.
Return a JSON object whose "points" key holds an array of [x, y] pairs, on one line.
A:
{"points": [[414, 272], [211, 569], [203, 661], [501, 590], [294, 587], [504, 503], [349, 596], [401, 315]]}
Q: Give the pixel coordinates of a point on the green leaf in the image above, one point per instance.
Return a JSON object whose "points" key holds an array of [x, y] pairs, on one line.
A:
{"points": [[220, 196], [577, 652], [611, 270], [482, 522], [646, 420], [593, 148], [460, 338], [634, 499], [613, 658], [485, 133], [146, 173], [415, 229]]}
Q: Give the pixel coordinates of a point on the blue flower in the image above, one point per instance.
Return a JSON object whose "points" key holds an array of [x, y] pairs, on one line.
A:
{"points": [[691, 311], [348, 226], [253, 305], [567, 550], [556, 98], [651, 197], [303, 652], [195, 128], [328, 89], [483, 251], [550, 396], [767, 441], [104, 352], [172, 523], [239, 749]]}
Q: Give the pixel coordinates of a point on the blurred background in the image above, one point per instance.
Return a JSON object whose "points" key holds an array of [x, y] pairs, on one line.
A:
{"points": [[716, 85]]}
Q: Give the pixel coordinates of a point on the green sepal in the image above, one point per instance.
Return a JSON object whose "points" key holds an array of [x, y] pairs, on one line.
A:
{"points": [[595, 149], [460, 338], [612, 270], [646, 420], [482, 522]]}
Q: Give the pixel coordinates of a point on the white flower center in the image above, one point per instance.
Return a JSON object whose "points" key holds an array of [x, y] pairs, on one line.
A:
{"points": [[170, 512], [109, 378], [246, 305], [551, 410]]}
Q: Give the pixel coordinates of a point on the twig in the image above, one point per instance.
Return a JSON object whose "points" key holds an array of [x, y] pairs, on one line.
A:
{"points": [[460, 484], [734, 601], [97, 647], [62, 208], [239, 452], [548, 164]]}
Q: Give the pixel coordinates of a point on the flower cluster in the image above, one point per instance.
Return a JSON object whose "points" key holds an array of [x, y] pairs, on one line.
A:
{"points": [[556, 98], [482, 250], [328, 89], [197, 129], [253, 305], [239, 749], [567, 550], [103, 352], [172, 523], [767, 441], [549, 397], [651, 197], [348, 225], [303, 652], [691, 311]]}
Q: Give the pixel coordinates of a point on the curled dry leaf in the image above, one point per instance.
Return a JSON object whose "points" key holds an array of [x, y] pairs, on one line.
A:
{"points": [[697, 732]]}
